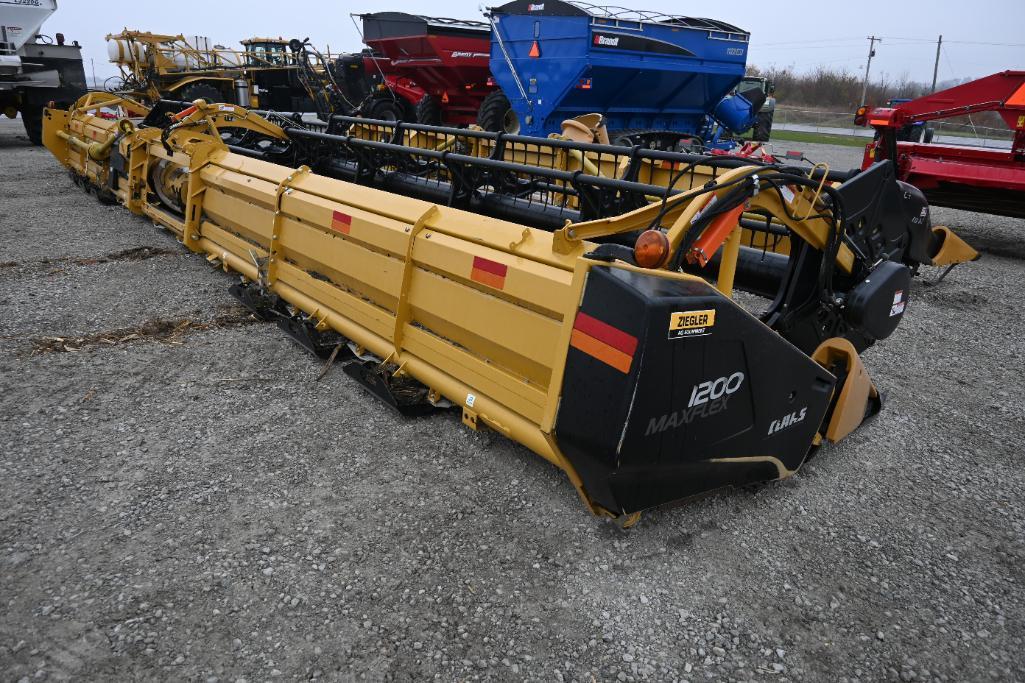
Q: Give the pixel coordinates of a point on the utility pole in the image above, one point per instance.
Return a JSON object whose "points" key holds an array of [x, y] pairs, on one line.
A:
{"points": [[92, 63], [936, 66], [871, 53]]}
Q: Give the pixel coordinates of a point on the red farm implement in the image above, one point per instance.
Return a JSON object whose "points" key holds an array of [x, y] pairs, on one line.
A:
{"points": [[429, 69], [963, 177]]}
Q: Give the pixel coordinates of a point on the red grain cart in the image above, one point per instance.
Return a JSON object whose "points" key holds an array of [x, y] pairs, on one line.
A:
{"points": [[963, 177], [426, 69]]}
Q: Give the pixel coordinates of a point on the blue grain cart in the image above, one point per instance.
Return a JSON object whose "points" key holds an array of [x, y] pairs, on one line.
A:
{"points": [[660, 75]]}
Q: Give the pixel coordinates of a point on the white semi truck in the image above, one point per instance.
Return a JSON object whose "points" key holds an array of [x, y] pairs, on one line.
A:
{"points": [[35, 69]]}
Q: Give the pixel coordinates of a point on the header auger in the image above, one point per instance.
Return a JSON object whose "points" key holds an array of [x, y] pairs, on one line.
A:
{"points": [[598, 345]]}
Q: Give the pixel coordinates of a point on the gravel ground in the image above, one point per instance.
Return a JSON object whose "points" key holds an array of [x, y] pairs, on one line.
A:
{"points": [[198, 507]]}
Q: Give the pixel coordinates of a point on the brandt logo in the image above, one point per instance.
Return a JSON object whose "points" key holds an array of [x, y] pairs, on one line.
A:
{"points": [[536, 8], [607, 41]]}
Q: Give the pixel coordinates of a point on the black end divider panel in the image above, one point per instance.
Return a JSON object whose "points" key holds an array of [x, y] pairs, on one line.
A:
{"points": [[645, 421]]}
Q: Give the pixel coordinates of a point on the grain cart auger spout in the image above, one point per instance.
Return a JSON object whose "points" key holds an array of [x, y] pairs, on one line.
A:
{"points": [[644, 383]]}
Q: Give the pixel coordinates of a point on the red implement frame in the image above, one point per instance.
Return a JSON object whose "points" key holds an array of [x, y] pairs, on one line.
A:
{"points": [[444, 58], [962, 177]]}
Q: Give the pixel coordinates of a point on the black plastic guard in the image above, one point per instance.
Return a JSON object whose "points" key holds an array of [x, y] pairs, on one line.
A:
{"points": [[657, 407]]}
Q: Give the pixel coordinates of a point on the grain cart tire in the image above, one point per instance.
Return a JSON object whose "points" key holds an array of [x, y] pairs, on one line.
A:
{"points": [[387, 108], [428, 111], [201, 91], [32, 118], [496, 114]]}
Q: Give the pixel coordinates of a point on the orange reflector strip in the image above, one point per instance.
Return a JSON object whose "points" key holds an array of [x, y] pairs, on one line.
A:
{"points": [[535, 50], [878, 122], [600, 340], [185, 112], [341, 222], [488, 272], [1018, 98]]}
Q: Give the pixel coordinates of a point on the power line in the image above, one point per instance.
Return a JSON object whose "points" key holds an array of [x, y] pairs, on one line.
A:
{"points": [[976, 42], [755, 46], [817, 40], [834, 41]]}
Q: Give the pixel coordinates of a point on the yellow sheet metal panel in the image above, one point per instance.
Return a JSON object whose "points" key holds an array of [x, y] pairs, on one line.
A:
{"points": [[382, 232], [376, 276], [247, 219], [538, 285], [509, 336]]}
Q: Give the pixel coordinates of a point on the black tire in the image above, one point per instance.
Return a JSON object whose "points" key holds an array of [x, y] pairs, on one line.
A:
{"points": [[927, 136], [662, 140], [428, 111], [763, 126], [496, 114], [202, 91], [32, 118], [625, 137], [388, 109]]}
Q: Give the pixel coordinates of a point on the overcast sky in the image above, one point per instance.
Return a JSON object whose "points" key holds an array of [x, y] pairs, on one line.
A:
{"points": [[980, 37]]}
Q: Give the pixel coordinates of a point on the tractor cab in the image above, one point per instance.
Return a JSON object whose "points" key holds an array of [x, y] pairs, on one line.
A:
{"points": [[266, 52], [760, 89], [274, 75]]}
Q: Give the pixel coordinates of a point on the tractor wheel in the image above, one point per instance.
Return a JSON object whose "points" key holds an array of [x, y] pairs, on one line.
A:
{"points": [[428, 111], [927, 134], [387, 109], [625, 137], [497, 115], [32, 118], [202, 91], [763, 126]]}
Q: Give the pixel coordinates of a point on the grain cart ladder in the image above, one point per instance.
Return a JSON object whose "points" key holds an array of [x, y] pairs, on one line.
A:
{"points": [[642, 383]]}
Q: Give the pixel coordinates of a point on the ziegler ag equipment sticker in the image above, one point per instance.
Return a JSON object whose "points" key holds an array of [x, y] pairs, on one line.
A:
{"points": [[691, 323]]}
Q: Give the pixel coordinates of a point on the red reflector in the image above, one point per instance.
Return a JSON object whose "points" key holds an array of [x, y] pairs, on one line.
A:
{"points": [[600, 340], [535, 50], [488, 272], [607, 334], [341, 222]]}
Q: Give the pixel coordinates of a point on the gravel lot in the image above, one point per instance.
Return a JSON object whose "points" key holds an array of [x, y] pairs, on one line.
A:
{"points": [[198, 507]]}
